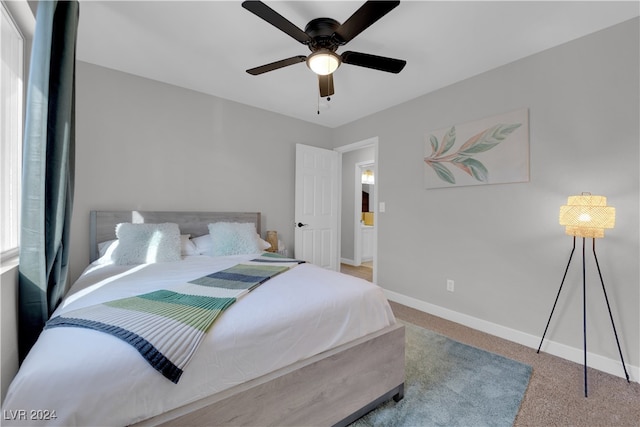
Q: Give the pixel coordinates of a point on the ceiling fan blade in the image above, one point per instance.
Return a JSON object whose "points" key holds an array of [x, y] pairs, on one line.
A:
{"points": [[275, 65], [263, 11], [362, 18], [381, 63], [326, 85]]}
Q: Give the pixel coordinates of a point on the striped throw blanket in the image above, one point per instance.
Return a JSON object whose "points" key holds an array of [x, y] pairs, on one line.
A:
{"points": [[166, 326]]}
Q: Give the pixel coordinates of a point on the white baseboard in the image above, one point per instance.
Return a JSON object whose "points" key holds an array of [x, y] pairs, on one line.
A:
{"points": [[348, 262], [605, 364]]}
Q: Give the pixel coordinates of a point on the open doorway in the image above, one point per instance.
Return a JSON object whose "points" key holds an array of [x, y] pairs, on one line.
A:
{"points": [[358, 232], [364, 211]]}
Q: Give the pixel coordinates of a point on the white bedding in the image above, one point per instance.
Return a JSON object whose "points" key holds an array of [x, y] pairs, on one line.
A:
{"points": [[90, 378]]}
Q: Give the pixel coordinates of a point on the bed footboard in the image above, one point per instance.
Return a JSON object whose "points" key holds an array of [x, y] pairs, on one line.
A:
{"points": [[333, 388], [397, 394]]}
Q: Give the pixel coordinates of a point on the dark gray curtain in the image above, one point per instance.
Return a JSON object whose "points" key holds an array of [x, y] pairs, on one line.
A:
{"points": [[48, 168]]}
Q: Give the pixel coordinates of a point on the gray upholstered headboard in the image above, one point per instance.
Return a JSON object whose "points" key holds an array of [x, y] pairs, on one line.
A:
{"points": [[103, 223]]}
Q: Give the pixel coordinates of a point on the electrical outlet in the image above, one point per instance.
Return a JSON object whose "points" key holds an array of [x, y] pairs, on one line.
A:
{"points": [[450, 285]]}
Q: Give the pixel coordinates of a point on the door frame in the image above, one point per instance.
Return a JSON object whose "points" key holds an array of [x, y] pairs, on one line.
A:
{"points": [[369, 142]]}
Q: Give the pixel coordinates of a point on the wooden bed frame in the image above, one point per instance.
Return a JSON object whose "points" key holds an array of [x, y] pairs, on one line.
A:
{"points": [[335, 387]]}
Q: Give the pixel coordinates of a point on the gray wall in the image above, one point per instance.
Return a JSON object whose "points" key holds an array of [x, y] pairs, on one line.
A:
{"points": [[9, 332], [142, 144], [502, 244]]}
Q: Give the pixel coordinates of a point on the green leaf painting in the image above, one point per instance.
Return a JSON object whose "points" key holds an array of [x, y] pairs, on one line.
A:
{"points": [[468, 157]]}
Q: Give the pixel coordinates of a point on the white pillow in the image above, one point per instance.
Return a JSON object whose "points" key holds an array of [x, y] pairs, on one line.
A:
{"points": [[203, 244], [234, 238], [105, 251], [187, 247], [264, 245], [106, 247], [147, 243]]}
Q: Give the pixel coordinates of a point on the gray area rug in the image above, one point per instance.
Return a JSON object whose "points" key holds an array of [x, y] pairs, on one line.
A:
{"points": [[452, 384]]}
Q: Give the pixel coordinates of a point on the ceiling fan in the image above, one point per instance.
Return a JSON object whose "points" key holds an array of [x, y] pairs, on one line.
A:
{"points": [[324, 36]]}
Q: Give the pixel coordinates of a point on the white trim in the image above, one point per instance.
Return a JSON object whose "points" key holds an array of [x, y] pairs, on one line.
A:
{"points": [[348, 262], [596, 361], [23, 17], [358, 145], [9, 263], [339, 237], [12, 84]]}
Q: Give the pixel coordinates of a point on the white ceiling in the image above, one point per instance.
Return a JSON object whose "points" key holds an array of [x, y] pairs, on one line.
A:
{"points": [[206, 46]]}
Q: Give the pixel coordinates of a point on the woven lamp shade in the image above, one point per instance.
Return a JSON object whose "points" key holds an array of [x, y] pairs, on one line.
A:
{"points": [[587, 216]]}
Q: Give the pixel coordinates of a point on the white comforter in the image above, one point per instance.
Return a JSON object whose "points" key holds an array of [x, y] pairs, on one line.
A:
{"points": [[89, 378]]}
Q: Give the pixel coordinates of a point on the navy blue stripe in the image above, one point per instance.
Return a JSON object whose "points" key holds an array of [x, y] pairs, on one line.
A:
{"points": [[156, 359], [237, 277], [292, 261]]}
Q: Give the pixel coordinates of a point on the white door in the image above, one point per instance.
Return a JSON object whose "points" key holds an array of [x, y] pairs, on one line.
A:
{"points": [[316, 206]]}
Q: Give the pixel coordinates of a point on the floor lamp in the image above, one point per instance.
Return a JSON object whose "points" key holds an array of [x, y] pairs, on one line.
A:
{"points": [[586, 216]]}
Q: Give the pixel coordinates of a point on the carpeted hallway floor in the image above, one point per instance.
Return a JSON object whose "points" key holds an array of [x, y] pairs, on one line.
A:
{"points": [[555, 396]]}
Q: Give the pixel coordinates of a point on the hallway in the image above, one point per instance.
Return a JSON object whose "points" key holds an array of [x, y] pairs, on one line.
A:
{"points": [[364, 271]]}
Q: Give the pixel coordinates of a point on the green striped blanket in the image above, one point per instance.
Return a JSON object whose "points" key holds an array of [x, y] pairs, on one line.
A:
{"points": [[166, 326]]}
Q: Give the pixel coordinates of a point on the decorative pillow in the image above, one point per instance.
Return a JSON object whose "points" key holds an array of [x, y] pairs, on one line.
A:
{"points": [[106, 248], [234, 238], [147, 243], [187, 247], [204, 244]]}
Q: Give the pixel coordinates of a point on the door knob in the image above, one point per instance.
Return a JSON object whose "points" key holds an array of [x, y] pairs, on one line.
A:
{"points": [[301, 224]]}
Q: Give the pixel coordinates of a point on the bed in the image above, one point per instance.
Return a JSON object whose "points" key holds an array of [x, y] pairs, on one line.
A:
{"points": [[256, 365]]}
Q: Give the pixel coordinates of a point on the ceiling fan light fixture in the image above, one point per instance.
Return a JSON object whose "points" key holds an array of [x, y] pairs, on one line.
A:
{"points": [[323, 62]]}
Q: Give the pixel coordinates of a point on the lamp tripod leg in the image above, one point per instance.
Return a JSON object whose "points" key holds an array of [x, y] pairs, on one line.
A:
{"points": [[558, 296], [584, 315], [609, 308]]}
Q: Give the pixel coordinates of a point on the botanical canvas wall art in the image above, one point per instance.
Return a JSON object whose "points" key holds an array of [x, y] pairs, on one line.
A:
{"points": [[493, 150]]}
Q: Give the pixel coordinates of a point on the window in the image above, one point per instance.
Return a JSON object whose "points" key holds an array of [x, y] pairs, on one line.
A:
{"points": [[11, 125]]}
